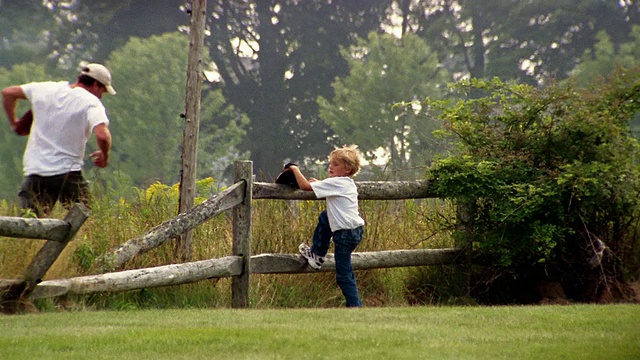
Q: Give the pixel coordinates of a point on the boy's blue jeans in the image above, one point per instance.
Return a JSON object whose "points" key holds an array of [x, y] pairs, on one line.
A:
{"points": [[345, 242]]}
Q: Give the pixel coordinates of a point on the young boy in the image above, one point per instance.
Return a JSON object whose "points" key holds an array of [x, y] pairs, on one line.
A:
{"points": [[341, 221]]}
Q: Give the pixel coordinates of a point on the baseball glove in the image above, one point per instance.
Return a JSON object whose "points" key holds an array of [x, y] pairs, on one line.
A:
{"points": [[286, 177], [23, 126]]}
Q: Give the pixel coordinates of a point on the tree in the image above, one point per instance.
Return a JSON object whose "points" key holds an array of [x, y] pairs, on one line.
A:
{"points": [[552, 177], [24, 26], [275, 58], [384, 71], [527, 41], [92, 29], [222, 129], [602, 59], [605, 58], [150, 75]]}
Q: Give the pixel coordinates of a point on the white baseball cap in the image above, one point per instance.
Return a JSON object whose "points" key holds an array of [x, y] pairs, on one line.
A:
{"points": [[100, 73]]}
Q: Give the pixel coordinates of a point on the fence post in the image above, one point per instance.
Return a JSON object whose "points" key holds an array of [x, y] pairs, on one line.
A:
{"points": [[242, 236], [50, 251]]}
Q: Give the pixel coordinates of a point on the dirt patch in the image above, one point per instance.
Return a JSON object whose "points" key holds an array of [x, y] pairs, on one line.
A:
{"points": [[635, 287], [550, 292]]}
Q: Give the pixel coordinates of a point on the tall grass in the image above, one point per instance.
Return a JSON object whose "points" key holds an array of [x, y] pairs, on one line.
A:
{"points": [[278, 227]]}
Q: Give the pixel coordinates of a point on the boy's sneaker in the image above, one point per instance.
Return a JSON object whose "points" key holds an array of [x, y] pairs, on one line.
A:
{"points": [[314, 260]]}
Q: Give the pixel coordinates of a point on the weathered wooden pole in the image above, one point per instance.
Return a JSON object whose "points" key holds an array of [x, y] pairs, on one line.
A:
{"points": [[192, 122], [14, 292], [50, 251], [167, 275], [169, 229], [242, 236], [367, 190], [45, 229], [295, 264], [230, 266]]}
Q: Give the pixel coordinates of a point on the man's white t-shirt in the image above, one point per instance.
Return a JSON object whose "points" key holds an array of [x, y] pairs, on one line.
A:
{"points": [[341, 194], [64, 118]]}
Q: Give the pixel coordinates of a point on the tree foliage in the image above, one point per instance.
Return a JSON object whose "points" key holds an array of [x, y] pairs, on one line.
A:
{"points": [[222, 129], [603, 60], [605, 56], [24, 29], [528, 41], [146, 123], [548, 173], [384, 71], [149, 76], [92, 29], [276, 58]]}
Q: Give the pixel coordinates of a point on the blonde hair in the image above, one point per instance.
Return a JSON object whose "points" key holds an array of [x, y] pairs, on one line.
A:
{"points": [[350, 155]]}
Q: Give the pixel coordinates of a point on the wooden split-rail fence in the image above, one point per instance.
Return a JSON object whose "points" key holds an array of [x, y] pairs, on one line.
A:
{"points": [[239, 265]]}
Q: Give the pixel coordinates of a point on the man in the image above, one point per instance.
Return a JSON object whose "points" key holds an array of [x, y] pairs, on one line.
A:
{"points": [[64, 116]]}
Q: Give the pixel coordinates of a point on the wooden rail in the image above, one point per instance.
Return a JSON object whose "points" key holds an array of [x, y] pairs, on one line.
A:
{"points": [[12, 292], [232, 266], [240, 265], [367, 190], [45, 229], [168, 230]]}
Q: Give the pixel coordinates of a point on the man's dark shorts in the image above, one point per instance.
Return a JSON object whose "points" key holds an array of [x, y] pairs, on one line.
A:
{"points": [[40, 193]]}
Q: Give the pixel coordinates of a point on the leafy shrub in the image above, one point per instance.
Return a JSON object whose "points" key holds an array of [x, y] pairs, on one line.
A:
{"points": [[551, 175]]}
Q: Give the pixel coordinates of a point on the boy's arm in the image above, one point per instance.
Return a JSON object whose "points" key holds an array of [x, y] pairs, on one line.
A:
{"points": [[302, 181]]}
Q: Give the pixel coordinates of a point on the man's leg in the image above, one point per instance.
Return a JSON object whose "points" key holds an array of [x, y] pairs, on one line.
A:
{"points": [[74, 189], [33, 196]]}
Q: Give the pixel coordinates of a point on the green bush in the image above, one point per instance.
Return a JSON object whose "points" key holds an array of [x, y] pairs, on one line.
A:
{"points": [[551, 177]]}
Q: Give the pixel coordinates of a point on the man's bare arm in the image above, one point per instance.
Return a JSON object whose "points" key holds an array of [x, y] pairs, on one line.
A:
{"points": [[10, 98], [103, 138]]}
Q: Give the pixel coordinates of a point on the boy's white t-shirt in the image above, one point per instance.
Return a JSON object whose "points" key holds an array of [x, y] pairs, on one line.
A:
{"points": [[64, 118], [341, 195]]}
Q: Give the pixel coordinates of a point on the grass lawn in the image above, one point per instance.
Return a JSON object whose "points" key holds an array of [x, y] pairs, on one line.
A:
{"points": [[524, 332]]}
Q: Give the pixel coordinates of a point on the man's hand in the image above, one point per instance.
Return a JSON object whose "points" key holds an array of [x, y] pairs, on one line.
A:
{"points": [[99, 159]]}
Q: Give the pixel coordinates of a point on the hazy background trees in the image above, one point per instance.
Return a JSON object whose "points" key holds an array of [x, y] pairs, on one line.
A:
{"points": [[272, 66], [289, 79], [528, 41], [275, 59], [146, 113], [384, 71]]}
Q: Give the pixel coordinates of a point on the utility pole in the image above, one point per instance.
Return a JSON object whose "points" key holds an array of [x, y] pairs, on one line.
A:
{"points": [[183, 248]]}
